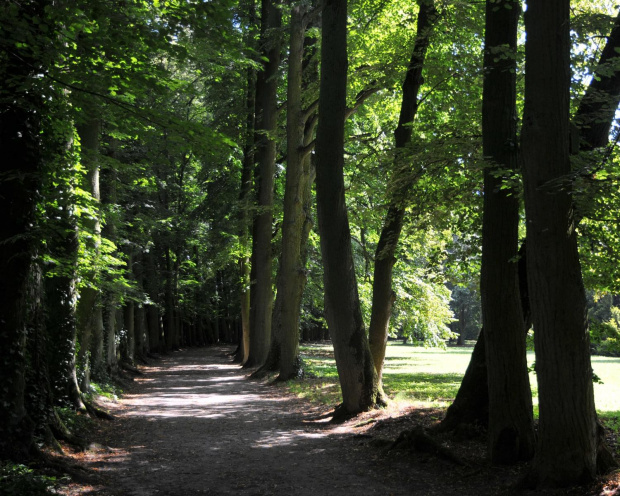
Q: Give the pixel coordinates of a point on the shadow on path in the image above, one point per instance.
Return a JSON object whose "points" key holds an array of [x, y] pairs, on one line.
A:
{"points": [[194, 424]]}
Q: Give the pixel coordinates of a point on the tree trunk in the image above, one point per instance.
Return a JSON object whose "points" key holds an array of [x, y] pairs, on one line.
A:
{"points": [[566, 399], [89, 311], [261, 297], [60, 322], [358, 378], [245, 197], [292, 274], [129, 316], [20, 126], [170, 330], [383, 295], [597, 108], [471, 405], [511, 431]]}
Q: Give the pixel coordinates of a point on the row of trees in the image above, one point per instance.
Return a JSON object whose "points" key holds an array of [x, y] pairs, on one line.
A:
{"points": [[145, 197]]}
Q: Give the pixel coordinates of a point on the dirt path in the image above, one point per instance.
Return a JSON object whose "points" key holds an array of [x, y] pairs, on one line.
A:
{"points": [[194, 424]]}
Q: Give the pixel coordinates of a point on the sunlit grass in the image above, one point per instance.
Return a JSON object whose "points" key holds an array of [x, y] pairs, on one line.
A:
{"points": [[431, 377]]}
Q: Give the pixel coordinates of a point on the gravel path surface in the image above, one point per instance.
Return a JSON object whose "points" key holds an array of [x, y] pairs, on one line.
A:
{"points": [[194, 424]]}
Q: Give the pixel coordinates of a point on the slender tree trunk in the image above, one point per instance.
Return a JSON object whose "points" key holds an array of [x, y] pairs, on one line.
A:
{"points": [[170, 322], [511, 431], [566, 398], [129, 316], [383, 295], [245, 197], [358, 378], [261, 298], [597, 108]]}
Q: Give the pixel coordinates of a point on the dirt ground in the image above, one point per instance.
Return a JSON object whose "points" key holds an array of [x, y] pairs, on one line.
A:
{"points": [[194, 424]]}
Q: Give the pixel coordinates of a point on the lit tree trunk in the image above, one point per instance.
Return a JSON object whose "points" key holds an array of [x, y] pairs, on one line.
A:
{"points": [[568, 444], [129, 316], [383, 296], [89, 311], [261, 297], [170, 331], [511, 432], [358, 378], [112, 324], [292, 274], [61, 295]]}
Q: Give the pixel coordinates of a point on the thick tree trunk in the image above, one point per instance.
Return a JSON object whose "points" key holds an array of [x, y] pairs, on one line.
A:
{"points": [[358, 378], [383, 295], [261, 297], [292, 274], [89, 310], [554, 274], [20, 171], [60, 287], [471, 405], [471, 402], [511, 431], [60, 323]]}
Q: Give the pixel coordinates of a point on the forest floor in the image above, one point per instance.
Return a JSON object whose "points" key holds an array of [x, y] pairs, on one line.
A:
{"points": [[194, 424]]}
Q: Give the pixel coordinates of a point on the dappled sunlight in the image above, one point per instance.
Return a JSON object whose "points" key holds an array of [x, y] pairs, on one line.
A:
{"points": [[270, 439], [214, 415]]}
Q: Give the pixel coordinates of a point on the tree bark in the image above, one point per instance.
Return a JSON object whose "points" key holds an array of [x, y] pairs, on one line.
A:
{"points": [[20, 127], [292, 274], [261, 296], [471, 405], [245, 196], [510, 431], [89, 310], [566, 398], [383, 295], [358, 378], [61, 304]]}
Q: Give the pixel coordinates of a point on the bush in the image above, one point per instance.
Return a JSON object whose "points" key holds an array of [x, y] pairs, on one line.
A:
{"points": [[605, 336], [19, 480]]}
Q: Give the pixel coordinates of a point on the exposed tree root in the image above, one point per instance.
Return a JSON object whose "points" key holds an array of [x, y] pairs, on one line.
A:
{"points": [[341, 414], [94, 411], [61, 466], [61, 432], [419, 441], [128, 367]]}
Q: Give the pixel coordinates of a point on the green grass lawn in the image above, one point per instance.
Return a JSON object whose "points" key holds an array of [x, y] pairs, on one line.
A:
{"points": [[431, 376]]}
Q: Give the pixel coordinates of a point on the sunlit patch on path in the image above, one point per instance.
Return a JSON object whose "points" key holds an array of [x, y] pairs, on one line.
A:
{"points": [[194, 424]]}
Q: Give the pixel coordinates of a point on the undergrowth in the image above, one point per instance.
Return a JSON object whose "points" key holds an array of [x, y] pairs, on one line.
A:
{"points": [[19, 480]]}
